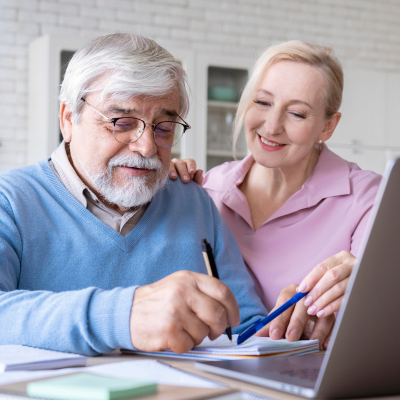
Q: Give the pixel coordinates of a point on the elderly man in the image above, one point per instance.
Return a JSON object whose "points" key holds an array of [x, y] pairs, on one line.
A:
{"points": [[97, 250]]}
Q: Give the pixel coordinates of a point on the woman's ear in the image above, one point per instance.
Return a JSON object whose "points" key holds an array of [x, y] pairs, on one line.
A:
{"points": [[66, 122], [330, 126]]}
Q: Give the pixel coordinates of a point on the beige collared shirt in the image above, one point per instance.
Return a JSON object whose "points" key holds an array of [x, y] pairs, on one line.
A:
{"points": [[69, 178]]}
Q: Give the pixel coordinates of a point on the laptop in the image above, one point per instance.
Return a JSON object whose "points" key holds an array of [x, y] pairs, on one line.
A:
{"points": [[363, 357]]}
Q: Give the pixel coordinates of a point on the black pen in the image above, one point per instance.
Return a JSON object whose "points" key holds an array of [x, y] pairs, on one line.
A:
{"points": [[212, 270]]}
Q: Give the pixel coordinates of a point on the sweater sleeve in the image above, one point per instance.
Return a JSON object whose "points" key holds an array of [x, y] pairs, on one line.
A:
{"points": [[90, 321], [234, 274]]}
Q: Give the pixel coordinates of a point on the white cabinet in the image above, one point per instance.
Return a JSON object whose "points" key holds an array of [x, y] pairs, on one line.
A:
{"points": [[373, 160], [369, 131], [363, 109]]}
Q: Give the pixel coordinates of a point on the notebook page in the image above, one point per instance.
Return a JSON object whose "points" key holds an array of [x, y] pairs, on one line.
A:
{"points": [[253, 346]]}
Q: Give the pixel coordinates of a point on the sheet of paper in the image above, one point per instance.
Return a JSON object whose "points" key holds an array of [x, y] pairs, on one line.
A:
{"points": [[146, 370], [150, 370], [24, 357]]}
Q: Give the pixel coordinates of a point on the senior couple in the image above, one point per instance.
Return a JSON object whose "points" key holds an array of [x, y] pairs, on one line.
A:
{"points": [[99, 250]]}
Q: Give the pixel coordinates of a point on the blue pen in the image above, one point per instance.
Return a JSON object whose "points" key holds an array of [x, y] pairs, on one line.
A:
{"points": [[260, 323]]}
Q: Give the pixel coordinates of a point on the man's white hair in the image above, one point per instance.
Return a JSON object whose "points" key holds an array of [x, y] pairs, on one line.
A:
{"points": [[128, 65]]}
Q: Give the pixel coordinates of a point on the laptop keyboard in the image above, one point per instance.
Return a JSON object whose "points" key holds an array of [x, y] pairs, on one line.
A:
{"points": [[309, 374]]}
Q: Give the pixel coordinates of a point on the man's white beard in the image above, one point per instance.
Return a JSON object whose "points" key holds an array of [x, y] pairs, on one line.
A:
{"points": [[138, 190]]}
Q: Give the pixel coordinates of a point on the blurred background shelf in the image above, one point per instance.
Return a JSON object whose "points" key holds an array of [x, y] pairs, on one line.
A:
{"points": [[368, 133]]}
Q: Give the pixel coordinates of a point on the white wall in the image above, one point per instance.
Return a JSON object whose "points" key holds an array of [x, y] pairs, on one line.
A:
{"points": [[364, 33]]}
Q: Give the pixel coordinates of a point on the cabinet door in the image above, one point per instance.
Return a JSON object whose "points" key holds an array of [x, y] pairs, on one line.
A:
{"points": [[220, 81], [372, 160], [363, 109]]}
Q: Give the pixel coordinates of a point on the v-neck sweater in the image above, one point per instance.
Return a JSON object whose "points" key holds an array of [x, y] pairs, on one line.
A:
{"points": [[67, 280], [327, 215]]}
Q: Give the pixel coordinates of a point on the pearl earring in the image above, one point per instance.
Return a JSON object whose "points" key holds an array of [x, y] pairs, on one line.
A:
{"points": [[320, 142]]}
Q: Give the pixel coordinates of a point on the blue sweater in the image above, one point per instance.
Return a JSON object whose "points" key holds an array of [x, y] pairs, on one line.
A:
{"points": [[67, 280]]}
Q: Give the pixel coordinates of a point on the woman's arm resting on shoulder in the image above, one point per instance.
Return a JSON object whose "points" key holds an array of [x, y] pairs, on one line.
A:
{"points": [[327, 283], [186, 169]]}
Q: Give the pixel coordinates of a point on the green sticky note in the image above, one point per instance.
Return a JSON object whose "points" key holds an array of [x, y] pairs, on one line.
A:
{"points": [[89, 387]]}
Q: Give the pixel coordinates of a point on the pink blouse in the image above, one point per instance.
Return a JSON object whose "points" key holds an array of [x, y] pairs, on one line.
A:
{"points": [[327, 215]]}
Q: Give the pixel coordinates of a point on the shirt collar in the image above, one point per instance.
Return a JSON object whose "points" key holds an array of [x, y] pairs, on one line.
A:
{"points": [[330, 177], [69, 177]]}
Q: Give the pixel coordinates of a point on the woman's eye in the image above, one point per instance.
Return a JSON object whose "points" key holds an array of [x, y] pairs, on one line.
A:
{"points": [[262, 103], [297, 115]]}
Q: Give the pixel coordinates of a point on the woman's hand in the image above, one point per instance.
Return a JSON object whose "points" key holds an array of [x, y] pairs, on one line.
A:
{"points": [[295, 324], [186, 169], [313, 317], [327, 283]]}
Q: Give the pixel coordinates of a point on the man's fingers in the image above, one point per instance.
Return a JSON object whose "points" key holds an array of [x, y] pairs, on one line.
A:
{"points": [[220, 293], [195, 327], [322, 328], [329, 309], [180, 342]]}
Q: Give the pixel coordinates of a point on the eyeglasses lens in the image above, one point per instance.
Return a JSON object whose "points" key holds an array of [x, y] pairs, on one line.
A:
{"points": [[167, 134], [127, 130]]}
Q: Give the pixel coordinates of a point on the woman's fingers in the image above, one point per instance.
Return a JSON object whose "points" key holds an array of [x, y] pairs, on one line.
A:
{"points": [[186, 169], [278, 326], [198, 177], [322, 330], [172, 170], [327, 283], [326, 310], [297, 323], [318, 272], [331, 286]]}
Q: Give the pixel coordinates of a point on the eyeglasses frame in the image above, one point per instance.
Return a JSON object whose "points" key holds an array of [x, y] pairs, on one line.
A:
{"points": [[185, 125]]}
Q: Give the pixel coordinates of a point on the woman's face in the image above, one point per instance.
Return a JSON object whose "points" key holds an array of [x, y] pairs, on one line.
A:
{"points": [[287, 116]]}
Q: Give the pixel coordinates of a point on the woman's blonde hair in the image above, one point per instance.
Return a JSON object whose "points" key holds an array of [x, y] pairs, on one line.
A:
{"points": [[319, 57]]}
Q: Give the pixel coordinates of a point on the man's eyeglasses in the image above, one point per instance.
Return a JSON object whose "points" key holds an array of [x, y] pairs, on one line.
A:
{"points": [[129, 129]]}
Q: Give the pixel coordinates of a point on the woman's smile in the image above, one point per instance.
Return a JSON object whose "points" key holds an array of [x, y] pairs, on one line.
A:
{"points": [[270, 145]]}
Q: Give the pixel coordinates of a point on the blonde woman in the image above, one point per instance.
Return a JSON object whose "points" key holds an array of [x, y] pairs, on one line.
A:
{"points": [[293, 203]]}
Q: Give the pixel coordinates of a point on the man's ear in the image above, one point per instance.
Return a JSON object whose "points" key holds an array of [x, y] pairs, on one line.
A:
{"points": [[330, 126], [66, 122]]}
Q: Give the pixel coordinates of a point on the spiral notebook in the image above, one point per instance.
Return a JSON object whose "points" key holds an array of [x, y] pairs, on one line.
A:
{"points": [[223, 349]]}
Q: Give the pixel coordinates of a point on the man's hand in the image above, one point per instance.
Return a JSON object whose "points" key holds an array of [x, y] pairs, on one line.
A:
{"points": [[295, 324], [179, 311], [327, 283], [186, 169]]}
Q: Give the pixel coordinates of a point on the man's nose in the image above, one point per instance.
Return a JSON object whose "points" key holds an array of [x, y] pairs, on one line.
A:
{"points": [[145, 145]]}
